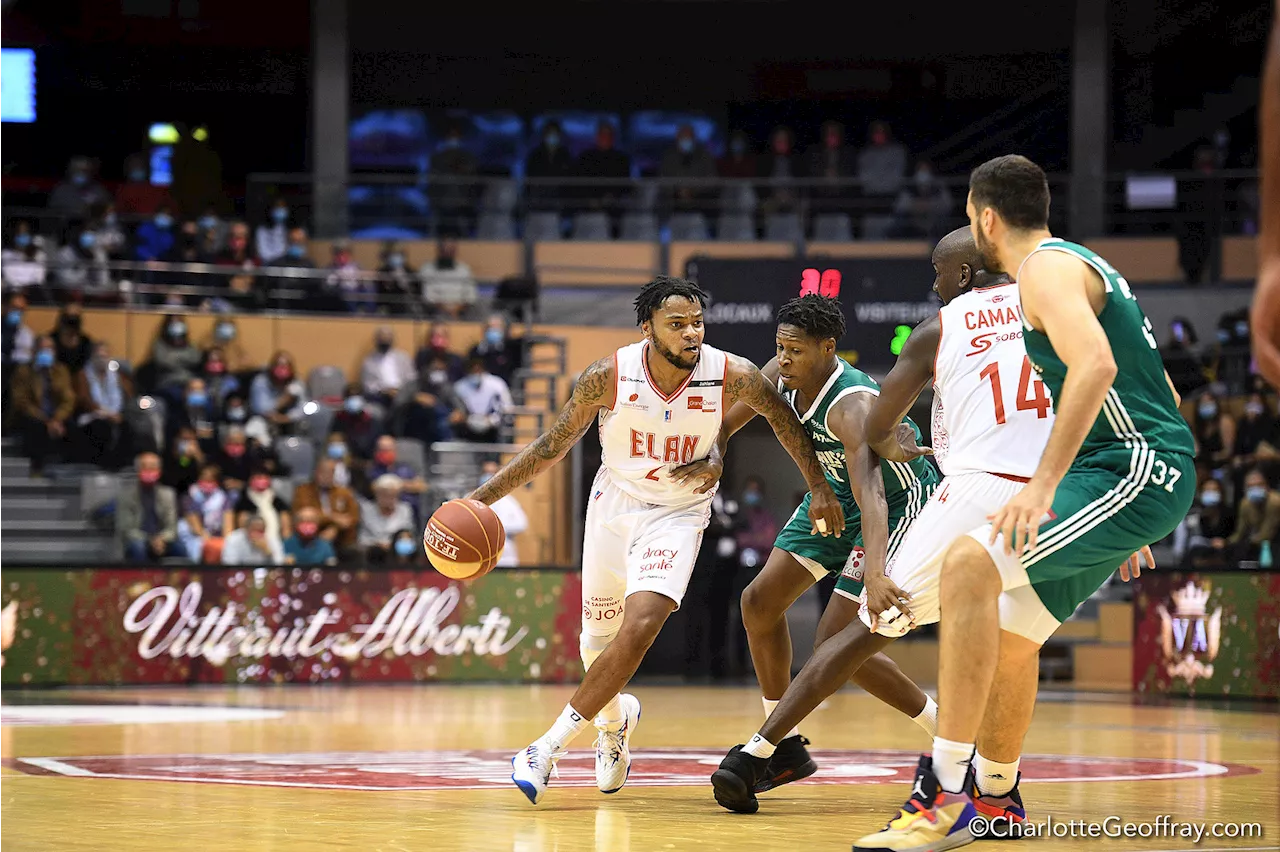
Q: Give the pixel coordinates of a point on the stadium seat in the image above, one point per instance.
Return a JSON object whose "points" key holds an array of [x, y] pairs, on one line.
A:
{"points": [[500, 196], [688, 226], [495, 226], [739, 198], [298, 455], [591, 226], [639, 227], [832, 228], [327, 384], [736, 227], [318, 422], [542, 226], [783, 227], [411, 451]]}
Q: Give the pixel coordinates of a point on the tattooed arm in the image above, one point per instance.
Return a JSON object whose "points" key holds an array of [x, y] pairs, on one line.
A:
{"points": [[594, 391], [744, 384]]}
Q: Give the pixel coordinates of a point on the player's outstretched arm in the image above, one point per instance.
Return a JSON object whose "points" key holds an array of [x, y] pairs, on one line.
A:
{"points": [[594, 391], [899, 391], [1265, 316], [744, 383], [1055, 297]]}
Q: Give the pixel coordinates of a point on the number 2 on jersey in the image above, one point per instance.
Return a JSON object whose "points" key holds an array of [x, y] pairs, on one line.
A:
{"points": [[1031, 395]]}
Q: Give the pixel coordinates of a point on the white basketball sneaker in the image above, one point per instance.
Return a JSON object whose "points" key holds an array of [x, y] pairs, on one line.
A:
{"points": [[613, 752], [531, 769]]}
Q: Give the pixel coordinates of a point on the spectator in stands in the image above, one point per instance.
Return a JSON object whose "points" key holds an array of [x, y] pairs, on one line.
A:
{"points": [[235, 461], [453, 186], [225, 335], [757, 525], [81, 265], [398, 288], [19, 341], [1201, 538], [71, 346], [437, 346], [739, 160], [356, 422], [253, 543], [105, 225], [1257, 517], [1257, 434], [502, 354], [605, 162], [244, 292], [183, 460], [197, 412], [1199, 228], [76, 194], [137, 196], [206, 517], [922, 207], [348, 283], [334, 506], [102, 392], [448, 287], [406, 548], [277, 394], [833, 160], [219, 382], [236, 415], [548, 162], [307, 546], [271, 239], [428, 408], [687, 160], [780, 167], [387, 516], [259, 498], [337, 451], [1185, 368], [882, 165], [385, 370], [186, 250], [154, 239], [487, 398], [44, 401], [296, 256], [173, 358], [23, 263], [386, 460], [514, 521], [1232, 359], [1215, 431], [213, 228], [147, 515]]}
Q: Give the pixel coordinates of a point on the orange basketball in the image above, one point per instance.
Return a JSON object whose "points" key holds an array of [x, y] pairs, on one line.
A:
{"points": [[464, 539]]}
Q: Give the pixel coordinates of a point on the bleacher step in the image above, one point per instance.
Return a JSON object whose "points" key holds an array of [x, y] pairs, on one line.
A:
{"points": [[61, 552], [62, 507], [55, 528]]}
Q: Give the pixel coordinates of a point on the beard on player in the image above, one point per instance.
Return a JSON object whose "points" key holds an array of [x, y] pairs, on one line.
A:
{"points": [[990, 257], [682, 352]]}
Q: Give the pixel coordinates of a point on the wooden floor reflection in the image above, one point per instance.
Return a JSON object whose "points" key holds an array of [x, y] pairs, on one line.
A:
{"points": [[423, 768]]}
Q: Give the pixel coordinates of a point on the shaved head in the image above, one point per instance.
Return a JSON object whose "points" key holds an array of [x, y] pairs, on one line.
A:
{"points": [[958, 265], [956, 248]]}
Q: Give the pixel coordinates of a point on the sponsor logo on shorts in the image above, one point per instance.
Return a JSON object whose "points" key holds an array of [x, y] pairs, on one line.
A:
{"points": [[853, 567], [657, 560], [440, 541], [601, 609]]}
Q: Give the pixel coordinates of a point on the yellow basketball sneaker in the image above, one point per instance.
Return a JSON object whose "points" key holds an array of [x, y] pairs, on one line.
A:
{"points": [[931, 821]]}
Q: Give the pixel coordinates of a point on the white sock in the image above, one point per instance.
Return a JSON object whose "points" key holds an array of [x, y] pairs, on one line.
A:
{"points": [[569, 725], [951, 763], [995, 779], [769, 705], [611, 714], [928, 718], [759, 747]]}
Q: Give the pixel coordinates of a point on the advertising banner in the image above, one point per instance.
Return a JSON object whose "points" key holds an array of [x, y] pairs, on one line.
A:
{"points": [[883, 299], [290, 625], [1213, 633]]}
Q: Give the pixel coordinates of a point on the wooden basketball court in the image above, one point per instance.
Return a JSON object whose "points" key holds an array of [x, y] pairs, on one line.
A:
{"points": [[426, 767]]}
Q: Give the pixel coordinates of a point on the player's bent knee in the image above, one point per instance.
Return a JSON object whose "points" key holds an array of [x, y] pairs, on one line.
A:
{"points": [[968, 567], [759, 608], [646, 613]]}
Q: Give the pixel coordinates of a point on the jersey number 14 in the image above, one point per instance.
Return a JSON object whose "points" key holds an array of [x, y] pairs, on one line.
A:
{"points": [[1031, 394]]}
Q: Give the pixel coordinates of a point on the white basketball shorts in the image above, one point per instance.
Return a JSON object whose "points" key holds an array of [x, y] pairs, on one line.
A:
{"points": [[959, 505], [632, 546]]}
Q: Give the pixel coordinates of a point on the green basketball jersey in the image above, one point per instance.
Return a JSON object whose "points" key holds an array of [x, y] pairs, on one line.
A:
{"points": [[1139, 410], [898, 477]]}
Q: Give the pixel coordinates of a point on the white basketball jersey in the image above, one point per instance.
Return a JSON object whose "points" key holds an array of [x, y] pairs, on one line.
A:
{"points": [[990, 412], [647, 433]]}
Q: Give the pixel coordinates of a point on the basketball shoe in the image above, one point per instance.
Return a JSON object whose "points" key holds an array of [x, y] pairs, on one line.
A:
{"points": [[736, 779], [613, 751], [932, 820], [1003, 816], [790, 762], [531, 769]]}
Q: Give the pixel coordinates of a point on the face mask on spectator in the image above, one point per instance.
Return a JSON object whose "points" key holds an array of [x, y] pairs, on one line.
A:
{"points": [[110, 220], [438, 377], [337, 452], [405, 546], [79, 178], [22, 240], [236, 414], [207, 222], [259, 482], [386, 458], [87, 240], [177, 329], [475, 379], [44, 358], [685, 144], [308, 529], [257, 536], [14, 317], [1256, 493], [738, 146], [164, 221], [439, 341], [225, 332], [1209, 499], [450, 143], [283, 372], [1208, 409], [208, 486], [197, 399], [1242, 329], [72, 323], [137, 175], [354, 404], [1224, 336], [296, 251], [148, 477], [234, 451], [215, 368], [383, 346], [187, 449], [279, 215], [493, 336], [552, 140], [1254, 409], [751, 498]]}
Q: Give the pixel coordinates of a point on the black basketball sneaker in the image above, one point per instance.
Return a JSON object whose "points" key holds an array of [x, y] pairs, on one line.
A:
{"points": [[790, 762]]}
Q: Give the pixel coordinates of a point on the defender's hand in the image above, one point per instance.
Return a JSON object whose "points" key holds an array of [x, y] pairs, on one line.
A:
{"points": [[1021, 517], [882, 595], [906, 448], [1132, 569], [704, 473], [825, 514]]}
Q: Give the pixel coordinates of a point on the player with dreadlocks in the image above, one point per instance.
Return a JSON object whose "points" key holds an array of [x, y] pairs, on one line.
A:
{"points": [[880, 499], [659, 403]]}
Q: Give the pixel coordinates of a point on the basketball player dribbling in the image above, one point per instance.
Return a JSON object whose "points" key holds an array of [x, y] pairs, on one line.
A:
{"points": [[880, 500], [659, 403], [1116, 474], [1265, 316]]}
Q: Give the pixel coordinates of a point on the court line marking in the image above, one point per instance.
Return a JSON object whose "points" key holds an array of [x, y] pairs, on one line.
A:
{"points": [[52, 764]]}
